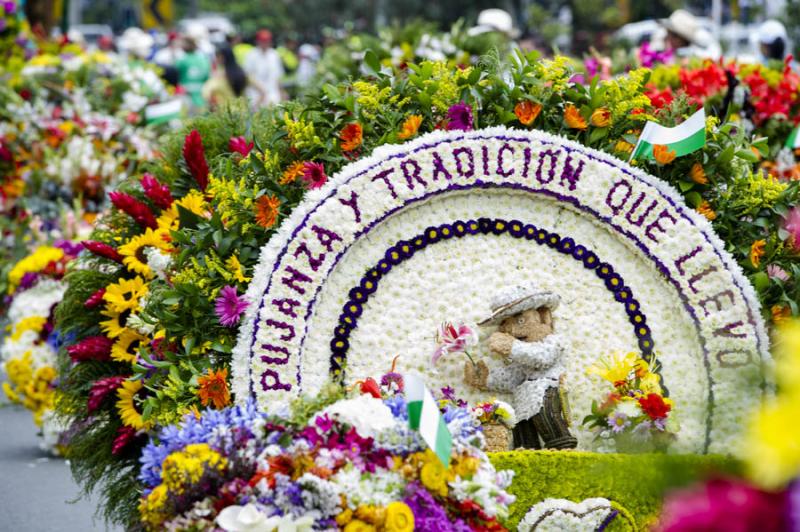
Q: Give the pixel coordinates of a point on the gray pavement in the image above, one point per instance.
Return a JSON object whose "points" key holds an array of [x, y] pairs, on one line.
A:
{"points": [[37, 489]]}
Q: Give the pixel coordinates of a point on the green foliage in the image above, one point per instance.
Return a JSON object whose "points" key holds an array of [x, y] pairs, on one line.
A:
{"points": [[636, 483]]}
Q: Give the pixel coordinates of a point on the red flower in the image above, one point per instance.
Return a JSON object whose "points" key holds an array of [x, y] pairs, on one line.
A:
{"points": [[102, 250], [659, 98], [101, 389], [240, 145], [704, 82], [91, 348], [370, 386], [314, 175], [156, 192], [134, 208], [195, 157], [654, 406], [125, 435], [95, 299]]}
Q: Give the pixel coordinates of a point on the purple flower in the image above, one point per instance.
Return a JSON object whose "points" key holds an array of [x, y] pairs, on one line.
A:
{"points": [[618, 422], [229, 306], [429, 514], [324, 423], [649, 56], [460, 117]]}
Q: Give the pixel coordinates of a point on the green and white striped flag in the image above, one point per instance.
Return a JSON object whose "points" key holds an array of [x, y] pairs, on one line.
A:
{"points": [[158, 113], [424, 416], [682, 139], [793, 142]]}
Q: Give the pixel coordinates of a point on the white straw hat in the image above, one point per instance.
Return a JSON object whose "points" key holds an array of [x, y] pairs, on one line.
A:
{"points": [[520, 298]]}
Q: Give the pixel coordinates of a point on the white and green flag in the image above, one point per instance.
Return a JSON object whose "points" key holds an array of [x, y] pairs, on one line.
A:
{"points": [[424, 416], [684, 138], [793, 142], [158, 113]]}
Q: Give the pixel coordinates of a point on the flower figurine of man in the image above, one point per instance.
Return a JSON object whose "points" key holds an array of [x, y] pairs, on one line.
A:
{"points": [[532, 367]]}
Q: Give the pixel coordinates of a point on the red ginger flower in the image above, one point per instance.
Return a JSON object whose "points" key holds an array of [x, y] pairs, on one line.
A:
{"points": [[134, 208], [125, 435], [157, 193], [195, 157], [101, 389], [91, 348], [95, 299], [240, 145], [654, 406], [102, 250]]}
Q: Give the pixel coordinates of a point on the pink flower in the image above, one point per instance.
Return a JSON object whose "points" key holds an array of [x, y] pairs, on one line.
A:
{"points": [[776, 272], [229, 306], [156, 192], [240, 145], [453, 339], [459, 117], [792, 225], [314, 174]]}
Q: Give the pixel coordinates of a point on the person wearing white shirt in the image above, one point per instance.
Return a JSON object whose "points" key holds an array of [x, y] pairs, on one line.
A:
{"points": [[264, 66]]}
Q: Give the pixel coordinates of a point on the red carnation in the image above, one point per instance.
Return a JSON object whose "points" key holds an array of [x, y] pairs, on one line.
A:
{"points": [[195, 158], [134, 208], [125, 435], [95, 299], [156, 192], [240, 145], [654, 406], [91, 348], [101, 389], [102, 250]]}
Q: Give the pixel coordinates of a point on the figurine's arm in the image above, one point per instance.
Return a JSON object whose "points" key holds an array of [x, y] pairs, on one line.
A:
{"points": [[537, 355], [505, 378]]}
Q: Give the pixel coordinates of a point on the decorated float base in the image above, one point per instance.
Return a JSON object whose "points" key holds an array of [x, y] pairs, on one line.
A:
{"points": [[634, 483]]}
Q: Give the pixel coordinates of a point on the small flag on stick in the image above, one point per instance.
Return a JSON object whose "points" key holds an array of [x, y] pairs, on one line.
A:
{"points": [[684, 138], [424, 416], [793, 142], [158, 113]]}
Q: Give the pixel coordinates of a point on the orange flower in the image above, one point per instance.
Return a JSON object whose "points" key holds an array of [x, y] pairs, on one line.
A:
{"points": [[527, 112], [757, 251], [573, 118], [706, 210], [601, 117], [268, 207], [698, 175], [780, 314], [409, 127], [214, 388], [662, 154], [292, 172], [352, 134]]}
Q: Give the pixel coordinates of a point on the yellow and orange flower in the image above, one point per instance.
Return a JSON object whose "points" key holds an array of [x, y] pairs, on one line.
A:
{"points": [[573, 118], [213, 388], [780, 314], [706, 210], [527, 112], [351, 136], [292, 172], [601, 117], [698, 174], [410, 127], [623, 146], [757, 251], [663, 155], [268, 208]]}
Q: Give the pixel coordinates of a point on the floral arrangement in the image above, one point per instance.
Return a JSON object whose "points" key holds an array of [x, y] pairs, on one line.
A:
{"points": [[494, 411], [29, 347], [346, 464], [636, 415]]}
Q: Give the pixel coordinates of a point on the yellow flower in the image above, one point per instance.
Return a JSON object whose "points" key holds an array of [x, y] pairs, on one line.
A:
{"points": [[787, 356], [399, 518], [771, 449], [344, 517], [115, 324], [573, 118], [125, 294], [410, 127], [356, 525], [698, 174], [133, 251], [168, 220], [126, 347], [757, 251], [433, 475], [35, 262], [235, 268], [614, 369], [152, 508], [623, 146], [127, 407], [663, 155], [705, 209], [463, 467], [182, 469], [780, 314], [292, 172], [193, 202], [369, 513], [32, 323], [601, 117]]}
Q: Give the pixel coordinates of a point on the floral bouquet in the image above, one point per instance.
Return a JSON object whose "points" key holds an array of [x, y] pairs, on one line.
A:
{"points": [[636, 414], [497, 419], [353, 464]]}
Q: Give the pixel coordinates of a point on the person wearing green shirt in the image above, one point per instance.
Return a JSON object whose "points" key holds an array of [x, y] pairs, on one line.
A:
{"points": [[194, 69]]}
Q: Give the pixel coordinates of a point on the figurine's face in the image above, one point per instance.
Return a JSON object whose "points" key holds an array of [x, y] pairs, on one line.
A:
{"points": [[530, 325]]}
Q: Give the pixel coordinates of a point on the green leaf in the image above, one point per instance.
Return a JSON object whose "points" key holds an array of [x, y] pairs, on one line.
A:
{"points": [[685, 186], [598, 134], [760, 280], [747, 155], [694, 199], [372, 62]]}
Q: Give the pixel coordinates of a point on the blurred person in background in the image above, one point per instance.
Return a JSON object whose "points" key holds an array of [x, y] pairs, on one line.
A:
{"points": [[687, 38], [264, 66], [169, 54], [105, 43], [239, 46], [194, 69], [772, 41], [307, 65], [228, 81], [136, 44]]}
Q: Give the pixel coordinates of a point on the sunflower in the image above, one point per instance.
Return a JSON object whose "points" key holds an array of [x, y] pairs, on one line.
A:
{"points": [[193, 202], [125, 294], [133, 251], [115, 325], [126, 405], [268, 208], [169, 221], [124, 349]]}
